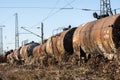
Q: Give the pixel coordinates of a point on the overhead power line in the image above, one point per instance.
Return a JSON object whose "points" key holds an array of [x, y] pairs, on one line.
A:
{"points": [[30, 32], [94, 10], [88, 10], [68, 3], [59, 9], [64, 7], [53, 9], [33, 7], [117, 9]]}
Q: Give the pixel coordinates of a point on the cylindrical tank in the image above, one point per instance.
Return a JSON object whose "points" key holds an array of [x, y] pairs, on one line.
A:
{"points": [[51, 49], [60, 43], [23, 55], [37, 53], [100, 36], [51, 45], [64, 41], [43, 54], [76, 42], [43, 47]]}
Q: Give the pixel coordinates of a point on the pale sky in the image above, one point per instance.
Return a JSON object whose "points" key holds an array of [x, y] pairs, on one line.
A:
{"points": [[53, 13]]}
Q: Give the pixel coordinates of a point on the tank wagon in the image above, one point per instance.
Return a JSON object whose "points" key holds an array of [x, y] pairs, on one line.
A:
{"points": [[60, 44], [98, 37]]}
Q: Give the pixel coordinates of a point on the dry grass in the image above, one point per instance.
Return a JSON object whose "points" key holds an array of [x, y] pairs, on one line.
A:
{"points": [[92, 70]]}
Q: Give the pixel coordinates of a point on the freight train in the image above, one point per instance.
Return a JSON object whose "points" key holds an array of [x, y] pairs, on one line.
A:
{"points": [[98, 37]]}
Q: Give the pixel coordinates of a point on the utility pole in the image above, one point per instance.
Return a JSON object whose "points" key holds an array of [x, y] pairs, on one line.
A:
{"points": [[1, 39], [42, 34], [16, 32]]}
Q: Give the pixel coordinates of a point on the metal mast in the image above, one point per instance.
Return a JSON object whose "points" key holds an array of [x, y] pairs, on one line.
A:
{"points": [[42, 34], [16, 32], [1, 39], [105, 8]]}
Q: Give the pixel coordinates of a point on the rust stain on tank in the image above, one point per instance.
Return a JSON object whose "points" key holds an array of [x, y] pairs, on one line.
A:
{"points": [[99, 36]]}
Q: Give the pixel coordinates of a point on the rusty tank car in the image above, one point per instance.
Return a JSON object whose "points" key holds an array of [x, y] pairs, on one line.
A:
{"points": [[98, 37], [51, 48], [60, 44], [64, 43], [51, 43]]}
